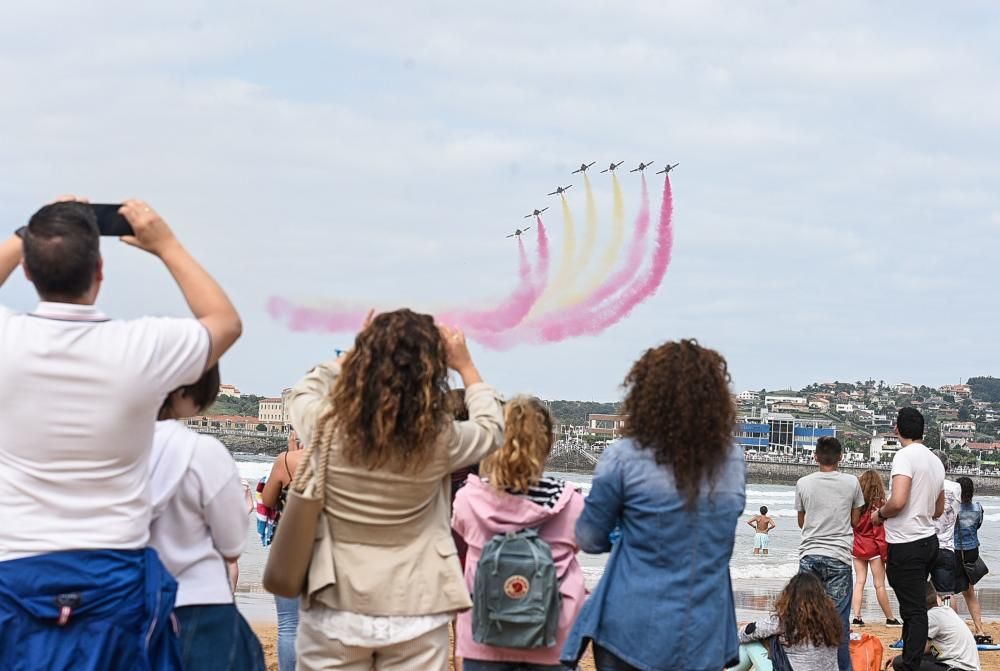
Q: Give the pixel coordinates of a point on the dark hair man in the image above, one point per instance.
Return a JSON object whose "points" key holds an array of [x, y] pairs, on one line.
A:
{"points": [[79, 395], [762, 525], [915, 501], [829, 505]]}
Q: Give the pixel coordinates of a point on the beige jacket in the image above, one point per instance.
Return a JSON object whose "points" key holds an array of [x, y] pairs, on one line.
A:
{"points": [[385, 545]]}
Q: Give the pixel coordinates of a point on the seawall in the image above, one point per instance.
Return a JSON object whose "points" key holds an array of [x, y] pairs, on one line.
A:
{"points": [[766, 473]]}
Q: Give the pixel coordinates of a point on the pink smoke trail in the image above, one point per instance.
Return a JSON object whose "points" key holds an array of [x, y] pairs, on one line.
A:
{"points": [[644, 288], [302, 318], [542, 278]]}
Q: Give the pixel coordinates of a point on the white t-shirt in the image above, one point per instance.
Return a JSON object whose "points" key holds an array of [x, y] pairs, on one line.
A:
{"points": [[199, 512], [79, 394], [916, 520], [945, 525], [951, 637]]}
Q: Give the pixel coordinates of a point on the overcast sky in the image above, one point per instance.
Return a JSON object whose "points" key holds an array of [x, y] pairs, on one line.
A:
{"points": [[836, 210]]}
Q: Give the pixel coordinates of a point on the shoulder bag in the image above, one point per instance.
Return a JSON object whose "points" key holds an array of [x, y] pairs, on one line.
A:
{"points": [[287, 566]]}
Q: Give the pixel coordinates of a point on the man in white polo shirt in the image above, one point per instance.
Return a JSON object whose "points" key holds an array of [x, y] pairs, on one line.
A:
{"points": [[79, 395], [915, 501]]}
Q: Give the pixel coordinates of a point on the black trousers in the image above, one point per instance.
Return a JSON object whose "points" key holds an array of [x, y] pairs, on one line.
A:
{"points": [[908, 567], [928, 663]]}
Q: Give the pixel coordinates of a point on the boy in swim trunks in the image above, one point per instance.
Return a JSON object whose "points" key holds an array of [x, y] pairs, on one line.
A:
{"points": [[762, 524]]}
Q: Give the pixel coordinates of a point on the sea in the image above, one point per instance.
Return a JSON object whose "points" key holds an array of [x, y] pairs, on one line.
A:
{"points": [[756, 580]]}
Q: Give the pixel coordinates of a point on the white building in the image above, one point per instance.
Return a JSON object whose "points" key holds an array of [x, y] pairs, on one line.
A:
{"points": [[958, 427], [789, 400], [904, 388], [883, 447], [748, 396], [271, 410], [845, 407], [229, 390]]}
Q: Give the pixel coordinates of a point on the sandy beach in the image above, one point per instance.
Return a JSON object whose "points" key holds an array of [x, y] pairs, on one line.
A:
{"points": [[888, 636]]}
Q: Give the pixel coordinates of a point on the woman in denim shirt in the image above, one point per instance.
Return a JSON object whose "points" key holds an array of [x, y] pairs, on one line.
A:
{"points": [[970, 518], [674, 488]]}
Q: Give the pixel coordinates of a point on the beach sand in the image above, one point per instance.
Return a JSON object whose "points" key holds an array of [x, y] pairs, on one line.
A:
{"points": [[990, 660]]}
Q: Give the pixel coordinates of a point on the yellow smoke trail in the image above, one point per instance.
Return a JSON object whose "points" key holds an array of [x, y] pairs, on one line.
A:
{"points": [[586, 251], [560, 285], [607, 261]]}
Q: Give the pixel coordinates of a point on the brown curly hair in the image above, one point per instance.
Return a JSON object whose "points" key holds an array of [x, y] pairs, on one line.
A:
{"points": [[807, 614], [528, 438], [390, 403], [873, 489], [679, 406]]}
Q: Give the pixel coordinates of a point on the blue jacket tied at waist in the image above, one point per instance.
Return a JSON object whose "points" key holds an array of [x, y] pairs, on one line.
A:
{"points": [[88, 610]]}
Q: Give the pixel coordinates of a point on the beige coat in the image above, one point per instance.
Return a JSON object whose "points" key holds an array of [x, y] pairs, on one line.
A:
{"points": [[386, 545]]}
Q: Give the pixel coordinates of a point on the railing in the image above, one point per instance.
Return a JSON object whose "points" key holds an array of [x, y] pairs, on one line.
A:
{"points": [[220, 431], [577, 447]]}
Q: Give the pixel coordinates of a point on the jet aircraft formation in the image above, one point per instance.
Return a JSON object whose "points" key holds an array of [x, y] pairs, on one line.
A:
{"points": [[584, 167]]}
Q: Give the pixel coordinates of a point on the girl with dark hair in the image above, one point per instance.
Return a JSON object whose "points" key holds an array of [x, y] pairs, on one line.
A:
{"points": [[970, 519], [870, 551], [385, 582], [804, 623], [675, 489]]}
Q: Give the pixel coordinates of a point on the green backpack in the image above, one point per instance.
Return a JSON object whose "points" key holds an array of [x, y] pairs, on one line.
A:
{"points": [[516, 599]]}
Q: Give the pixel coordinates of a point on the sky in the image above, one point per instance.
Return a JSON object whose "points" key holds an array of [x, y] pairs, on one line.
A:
{"points": [[835, 209]]}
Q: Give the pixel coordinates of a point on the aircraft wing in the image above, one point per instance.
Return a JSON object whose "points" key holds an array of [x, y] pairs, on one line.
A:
{"points": [[526, 229]]}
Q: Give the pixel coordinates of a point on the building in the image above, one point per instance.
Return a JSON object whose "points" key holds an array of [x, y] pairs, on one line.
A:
{"points": [[271, 410], [782, 433], [957, 390], [223, 422], [229, 390], [958, 427], [983, 447], [883, 447], [790, 400], [606, 426], [904, 388], [845, 408], [285, 393], [748, 396], [819, 404]]}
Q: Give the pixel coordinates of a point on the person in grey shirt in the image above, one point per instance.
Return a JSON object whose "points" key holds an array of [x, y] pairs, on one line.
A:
{"points": [[829, 505]]}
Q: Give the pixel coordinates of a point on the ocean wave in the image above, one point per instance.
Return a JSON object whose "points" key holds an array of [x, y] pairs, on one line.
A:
{"points": [[992, 518], [763, 570], [783, 512], [760, 493]]}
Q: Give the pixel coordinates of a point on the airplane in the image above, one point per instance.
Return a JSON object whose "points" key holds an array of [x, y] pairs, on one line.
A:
{"points": [[612, 167], [560, 189], [583, 167], [519, 232], [535, 213], [668, 169], [643, 166]]}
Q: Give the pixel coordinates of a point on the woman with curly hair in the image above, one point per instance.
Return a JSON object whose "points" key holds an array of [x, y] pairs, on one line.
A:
{"points": [[386, 583], [804, 623], [674, 488], [512, 495], [870, 551]]}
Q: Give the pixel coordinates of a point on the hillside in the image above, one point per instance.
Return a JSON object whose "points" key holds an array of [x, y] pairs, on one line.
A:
{"points": [[246, 406], [985, 388], [575, 412]]}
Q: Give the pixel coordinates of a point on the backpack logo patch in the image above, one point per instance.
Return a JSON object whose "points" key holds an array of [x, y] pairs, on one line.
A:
{"points": [[516, 587]]}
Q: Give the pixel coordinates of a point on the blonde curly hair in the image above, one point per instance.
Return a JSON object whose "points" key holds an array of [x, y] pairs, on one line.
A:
{"points": [[528, 439]]}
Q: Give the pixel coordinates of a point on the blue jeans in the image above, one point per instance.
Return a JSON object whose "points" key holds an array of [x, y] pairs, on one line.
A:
{"points": [[288, 626], [476, 665], [836, 577], [215, 637]]}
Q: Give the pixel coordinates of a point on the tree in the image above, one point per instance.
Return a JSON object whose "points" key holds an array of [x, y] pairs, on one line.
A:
{"points": [[261, 427], [932, 437], [963, 414]]}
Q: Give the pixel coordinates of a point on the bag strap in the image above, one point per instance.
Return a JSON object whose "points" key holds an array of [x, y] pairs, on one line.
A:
{"points": [[307, 473]]}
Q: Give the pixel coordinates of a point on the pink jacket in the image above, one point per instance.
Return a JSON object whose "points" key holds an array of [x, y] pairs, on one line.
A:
{"points": [[480, 512]]}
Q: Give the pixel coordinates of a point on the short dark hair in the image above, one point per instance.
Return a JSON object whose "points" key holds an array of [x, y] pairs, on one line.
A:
{"points": [[931, 596], [763, 510], [828, 451], [968, 489], [910, 424], [202, 392], [62, 250]]}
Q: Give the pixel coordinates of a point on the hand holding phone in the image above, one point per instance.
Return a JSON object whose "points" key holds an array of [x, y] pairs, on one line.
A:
{"points": [[109, 221], [150, 232]]}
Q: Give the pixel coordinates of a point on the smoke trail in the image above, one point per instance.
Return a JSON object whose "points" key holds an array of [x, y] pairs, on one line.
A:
{"points": [[607, 261], [586, 250], [605, 316], [565, 275], [542, 276]]}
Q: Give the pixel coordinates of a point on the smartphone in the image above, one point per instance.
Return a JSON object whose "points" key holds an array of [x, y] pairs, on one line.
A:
{"points": [[109, 222]]}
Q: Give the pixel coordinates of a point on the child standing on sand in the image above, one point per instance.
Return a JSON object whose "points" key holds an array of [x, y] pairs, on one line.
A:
{"points": [[762, 524]]}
